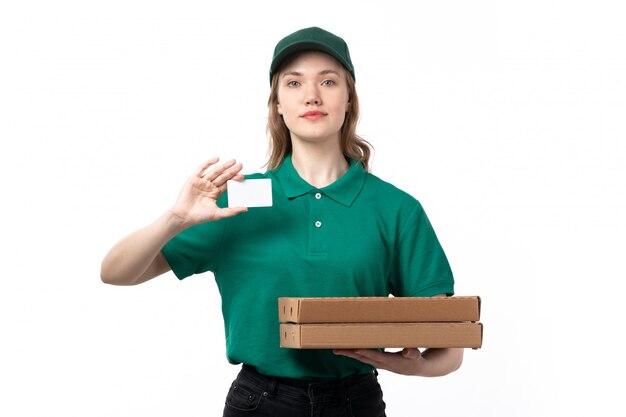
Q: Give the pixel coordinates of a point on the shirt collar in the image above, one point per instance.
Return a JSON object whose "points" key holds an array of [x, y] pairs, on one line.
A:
{"points": [[344, 190]]}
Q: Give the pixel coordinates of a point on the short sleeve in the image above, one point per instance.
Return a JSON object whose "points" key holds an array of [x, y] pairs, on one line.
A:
{"points": [[420, 266], [195, 250]]}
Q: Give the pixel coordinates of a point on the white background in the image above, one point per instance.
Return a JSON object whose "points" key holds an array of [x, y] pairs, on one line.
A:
{"points": [[505, 119]]}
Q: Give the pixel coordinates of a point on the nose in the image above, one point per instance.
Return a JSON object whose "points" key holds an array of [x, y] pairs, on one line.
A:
{"points": [[313, 96], [313, 100]]}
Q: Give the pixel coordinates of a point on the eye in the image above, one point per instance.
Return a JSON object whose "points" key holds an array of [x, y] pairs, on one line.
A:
{"points": [[328, 83], [293, 84]]}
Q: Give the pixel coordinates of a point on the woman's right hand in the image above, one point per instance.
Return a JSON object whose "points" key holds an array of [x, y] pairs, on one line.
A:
{"points": [[138, 257], [197, 201]]}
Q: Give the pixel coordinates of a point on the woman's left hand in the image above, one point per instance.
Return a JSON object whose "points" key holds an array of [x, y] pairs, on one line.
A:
{"points": [[409, 361]]}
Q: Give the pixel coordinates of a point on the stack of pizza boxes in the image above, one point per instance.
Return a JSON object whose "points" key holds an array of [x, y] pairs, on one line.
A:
{"points": [[380, 322]]}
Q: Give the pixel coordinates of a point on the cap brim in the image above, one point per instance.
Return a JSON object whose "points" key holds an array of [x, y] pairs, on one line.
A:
{"points": [[290, 50]]}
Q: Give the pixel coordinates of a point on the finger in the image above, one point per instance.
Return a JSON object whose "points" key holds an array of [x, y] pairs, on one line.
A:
{"points": [[229, 212], [391, 361], [350, 354], [228, 175], [411, 353], [369, 353], [205, 165], [360, 355], [213, 173], [344, 352]]}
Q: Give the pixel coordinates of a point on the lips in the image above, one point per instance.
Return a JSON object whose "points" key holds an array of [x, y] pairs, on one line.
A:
{"points": [[313, 115]]}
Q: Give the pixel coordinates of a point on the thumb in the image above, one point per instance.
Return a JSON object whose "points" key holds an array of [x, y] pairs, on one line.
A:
{"points": [[225, 212], [411, 353]]}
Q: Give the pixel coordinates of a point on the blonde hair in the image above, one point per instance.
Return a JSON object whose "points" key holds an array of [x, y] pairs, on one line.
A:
{"points": [[352, 145]]}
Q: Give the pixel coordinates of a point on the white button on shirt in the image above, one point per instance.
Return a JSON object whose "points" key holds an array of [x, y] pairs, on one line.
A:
{"points": [[318, 224], [318, 195]]}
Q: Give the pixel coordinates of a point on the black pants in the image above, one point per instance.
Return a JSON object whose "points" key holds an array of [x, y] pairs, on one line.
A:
{"points": [[253, 394]]}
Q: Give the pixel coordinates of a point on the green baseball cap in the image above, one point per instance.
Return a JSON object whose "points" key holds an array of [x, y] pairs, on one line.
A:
{"points": [[308, 39]]}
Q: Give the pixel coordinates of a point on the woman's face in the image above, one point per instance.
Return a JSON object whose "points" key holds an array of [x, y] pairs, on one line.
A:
{"points": [[313, 97]]}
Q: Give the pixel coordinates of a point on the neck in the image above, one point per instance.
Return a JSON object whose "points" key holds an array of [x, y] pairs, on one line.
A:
{"points": [[318, 165]]}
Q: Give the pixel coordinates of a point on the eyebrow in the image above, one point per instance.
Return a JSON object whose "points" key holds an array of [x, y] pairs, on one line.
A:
{"points": [[299, 74]]}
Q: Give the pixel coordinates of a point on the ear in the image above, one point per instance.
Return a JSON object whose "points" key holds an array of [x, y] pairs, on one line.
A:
{"points": [[279, 109]]}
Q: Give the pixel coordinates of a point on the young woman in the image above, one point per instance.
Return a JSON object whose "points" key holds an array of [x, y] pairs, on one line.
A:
{"points": [[334, 230]]}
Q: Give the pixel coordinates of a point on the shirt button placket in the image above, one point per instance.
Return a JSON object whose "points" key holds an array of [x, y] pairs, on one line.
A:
{"points": [[318, 196], [317, 242]]}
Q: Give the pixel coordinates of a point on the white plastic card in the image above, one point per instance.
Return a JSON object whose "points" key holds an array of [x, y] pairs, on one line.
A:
{"points": [[250, 193]]}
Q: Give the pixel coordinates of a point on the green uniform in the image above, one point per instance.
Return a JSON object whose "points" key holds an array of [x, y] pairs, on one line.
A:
{"points": [[359, 236]]}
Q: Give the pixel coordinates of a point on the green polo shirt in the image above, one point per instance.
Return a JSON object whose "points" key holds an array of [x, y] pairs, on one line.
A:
{"points": [[359, 236]]}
